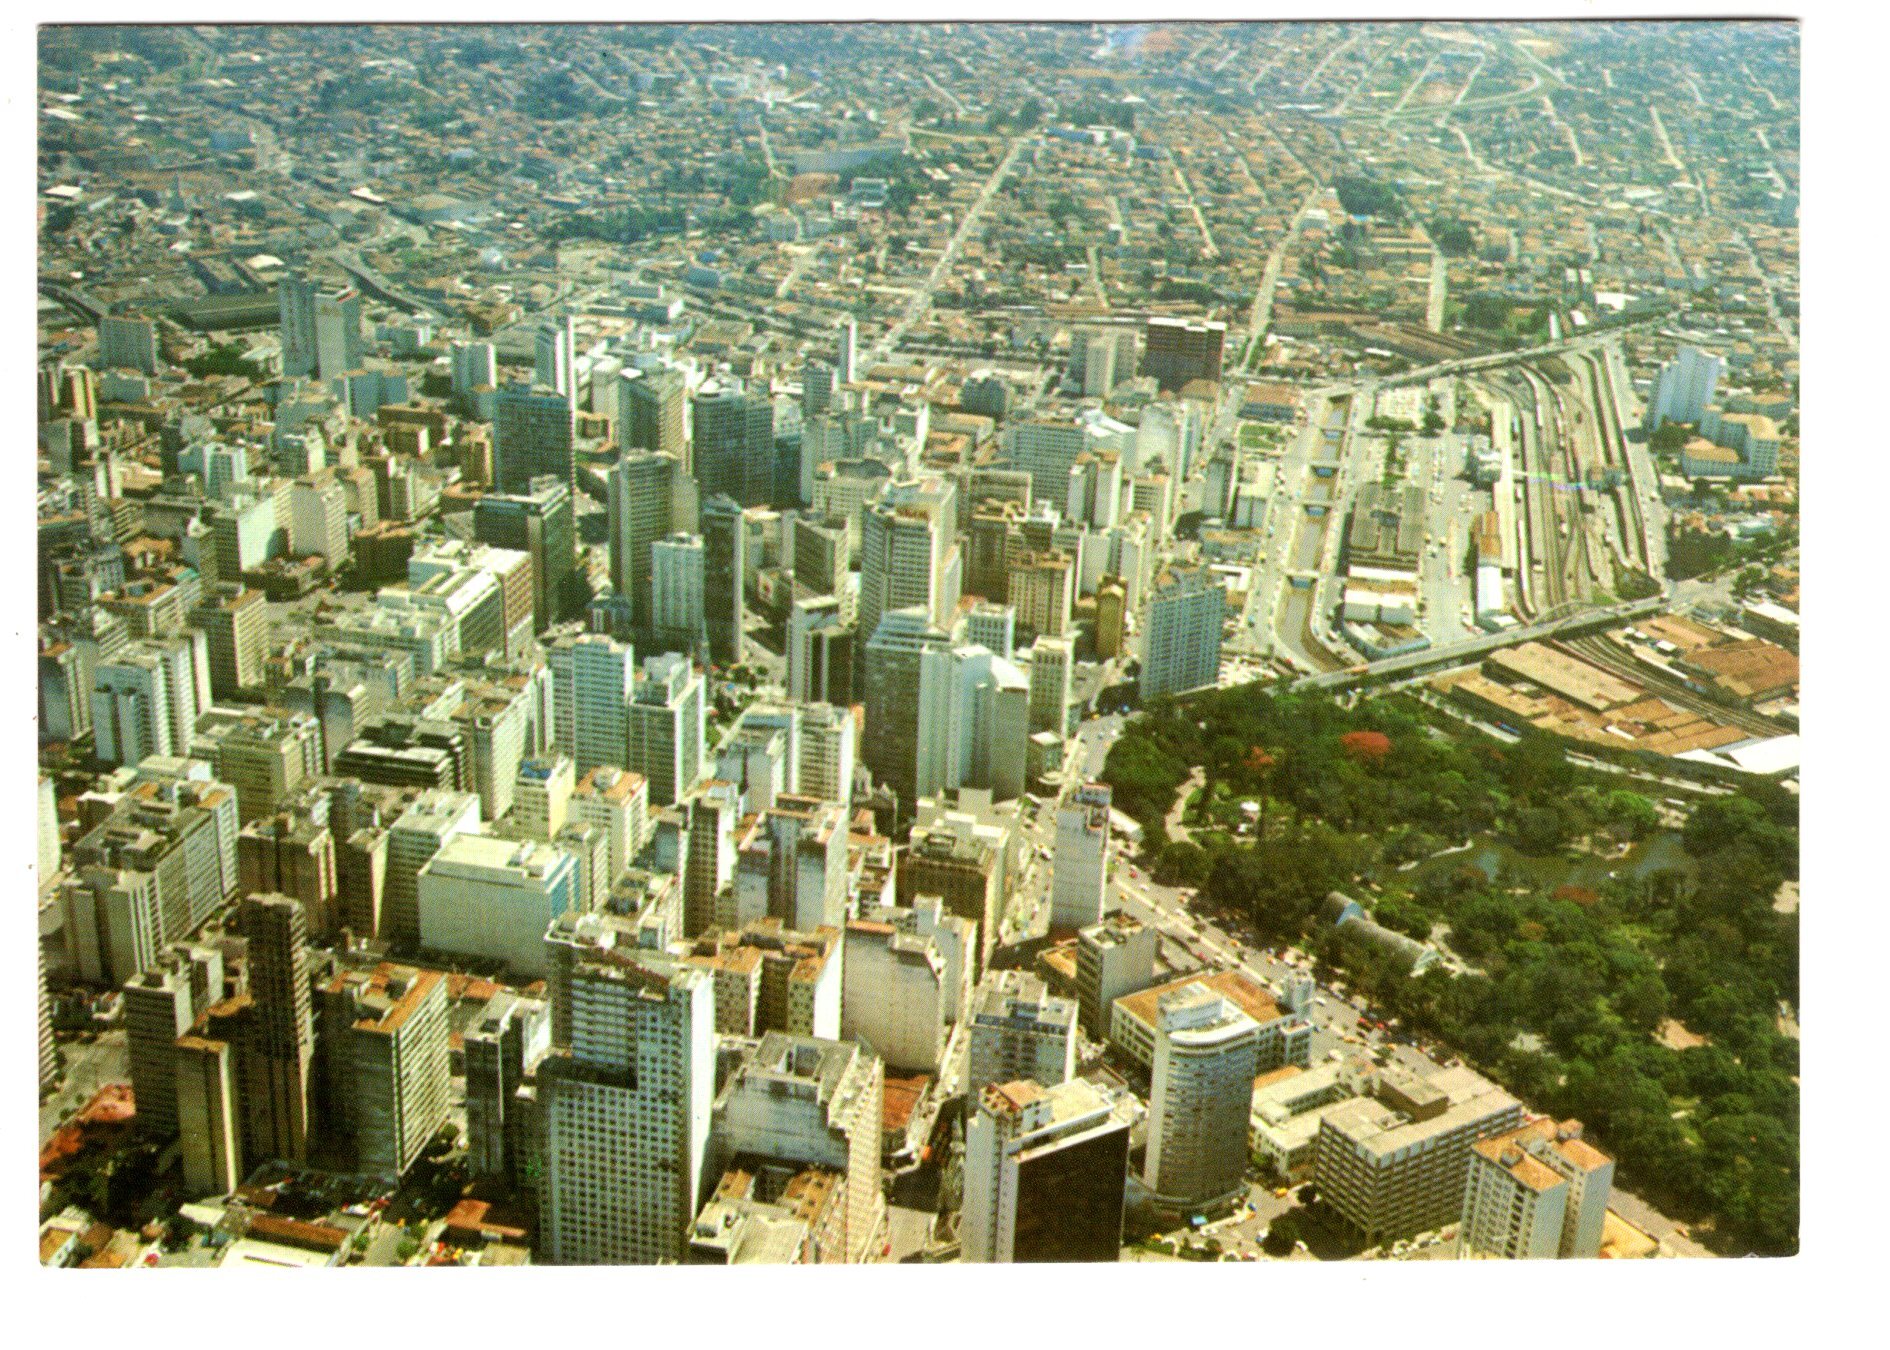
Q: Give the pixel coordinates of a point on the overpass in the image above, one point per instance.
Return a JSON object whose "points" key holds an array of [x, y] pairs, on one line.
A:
{"points": [[1490, 360], [74, 299], [1457, 653]]}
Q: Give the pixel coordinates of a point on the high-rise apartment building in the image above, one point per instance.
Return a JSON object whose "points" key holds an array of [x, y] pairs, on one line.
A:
{"points": [[593, 681], [385, 1080], [650, 496], [127, 342], [1683, 390], [1200, 1097], [676, 596], [627, 1094], [1019, 1030], [1045, 1173], [277, 1044], [1538, 1192], [1113, 958]]}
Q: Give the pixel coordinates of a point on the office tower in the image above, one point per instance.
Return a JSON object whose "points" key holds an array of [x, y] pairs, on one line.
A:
{"points": [[502, 1047], [984, 737], [734, 443], [617, 802], [1081, 863], [593, 681], [666, 721], [627, 1091], [724, 572], [847, 350], [491, 899], [318, 520], [1395, 1163], [48, 820], [1114, 958], [908, 555], [710, 814], [993, 627], [900, 727], [1684, 388], [1112, 613], [295, 298], [291, 853], [338, 347], [278, 1043], [127, 342], [791, 864], [820, 650], [1539, 1192], [1176, 352], [824, 763], [1019, 1030], [475, 366], [1282, 1036], [1045, 1173], [1200, 1096], [159, 1007], [1182, 648], [554, 357], [1052, 667], [538, 521], [676, 595], [235, 623], [534, 435], [813, 1101], [820, 553], [649, 496], [650, 412], [433, 818], [820, 385], [386, 1085], [1047, 450], [49, 1068]]}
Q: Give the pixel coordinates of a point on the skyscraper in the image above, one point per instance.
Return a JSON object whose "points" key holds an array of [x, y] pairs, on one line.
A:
{"points": [[627, 1094], [338, 346], [909, 555], [847, 350], [676, 596], [1080, 866], [385, 1081], [554, 357], [1182, 648], [1684, 388], [534, 433], [593, 680], [1200, 1096], [127, 342], [538, 520], [734, 443], [1045, 1173], [650, 411], [278, 1044], [649, 496], [724, 567], [1177, 352], [897, 717], [666, 723]]}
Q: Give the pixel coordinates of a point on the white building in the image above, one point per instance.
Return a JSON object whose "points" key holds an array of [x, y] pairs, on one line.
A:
{"points": [[430, 822], [1019, 1030], [541, 797], [593, 680], [666, 722], [617, 802], [1539, 1192], [318, 520], [1200, 1096], [824, 765], [896, 995], [1182, 647], [1080, 865], [627, 1094], [491, 899], [676, 594], [1684, 389]]}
